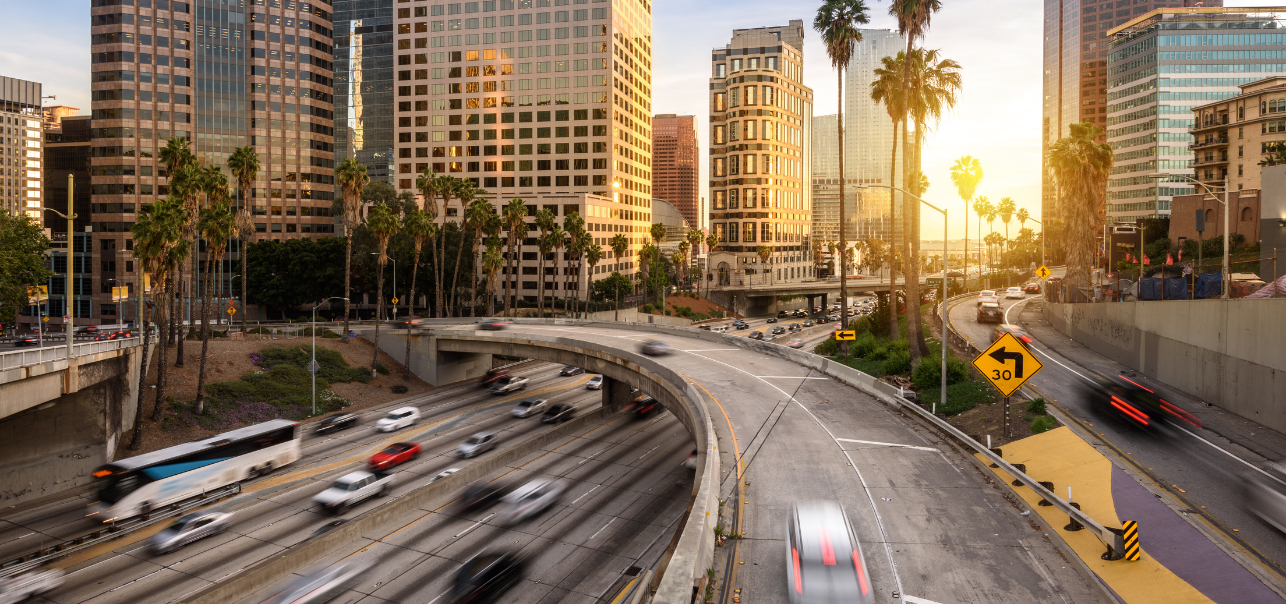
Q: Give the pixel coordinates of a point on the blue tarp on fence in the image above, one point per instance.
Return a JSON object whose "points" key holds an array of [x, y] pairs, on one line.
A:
{"points": [[1209, 285], [1176, 288]]}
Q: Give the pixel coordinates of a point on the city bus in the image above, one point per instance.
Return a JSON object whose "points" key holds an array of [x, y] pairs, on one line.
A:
{"points": [[135, 486]]}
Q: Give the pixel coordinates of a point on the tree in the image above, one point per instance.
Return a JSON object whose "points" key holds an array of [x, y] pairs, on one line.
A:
{"points": [[837, 21], [657, 231], [1276, 154], [544, 223], [491, 227], [187, 183], [244, 166], [611, 286], [619, 245], [684, 246], [515, 216], [557, 240], [430, 185], [352, 178], [1006, 209], [161, 248], [293, 272], [966, 173], [577, 242], [695, 238], [22, 248], [712, 241], [1023, 216], [469, 225], [419, 227], [1080, 167], [218, 225], [990, 217], [383, 224], [765, 253], [981, 206], [492, 262], [647, 252], [593, 255], [476, 216], [887, 89]]}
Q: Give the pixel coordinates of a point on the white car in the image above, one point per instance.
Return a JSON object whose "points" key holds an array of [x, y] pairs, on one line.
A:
{"points": [[987, 295], [322, 584], [478, 444], [508, 384], [594, 383], [29, 585], [189, 528], [1014, 293], [352, 489], [531, 499], [398, 419], [529, 407]]}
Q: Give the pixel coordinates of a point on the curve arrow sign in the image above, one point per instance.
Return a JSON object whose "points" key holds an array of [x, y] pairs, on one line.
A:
{"points": [[1017, 357]]}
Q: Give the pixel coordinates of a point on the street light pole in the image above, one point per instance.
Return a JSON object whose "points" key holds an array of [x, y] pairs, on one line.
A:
{"points": [[71, 265], [1226, 279], [312, 366]]}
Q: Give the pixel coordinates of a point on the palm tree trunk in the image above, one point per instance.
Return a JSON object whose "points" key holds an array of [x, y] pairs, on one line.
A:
{"points": [[540, 288], [553, 303], [379, 311], [438, 272], [507, 273], [843, 239], [205, 332], [158, 407], [915, 321], [406, 364], [244, 259], [137, 440], [477, 264], [965, 285], [893, 271], [348, 272], [455, 276], [178, 321]]}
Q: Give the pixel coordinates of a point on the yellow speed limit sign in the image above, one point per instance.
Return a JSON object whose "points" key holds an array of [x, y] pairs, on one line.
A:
{"points": [[847, 334], [1043, 272], [1007, 364]]}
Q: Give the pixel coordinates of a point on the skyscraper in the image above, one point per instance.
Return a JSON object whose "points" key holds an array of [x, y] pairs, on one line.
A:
{"points": [[761, 154], [1162, 65], [222, 74], [676, 175], [1075, 61], [364, 84], [20, 148], [868, 136]]}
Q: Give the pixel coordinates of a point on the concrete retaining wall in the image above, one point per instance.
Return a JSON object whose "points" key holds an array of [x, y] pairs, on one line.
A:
{"points": [[632, 315], [1230, 353]]}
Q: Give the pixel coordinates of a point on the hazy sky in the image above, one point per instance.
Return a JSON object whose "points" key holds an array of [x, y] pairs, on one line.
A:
{"points": [[998, 43]]}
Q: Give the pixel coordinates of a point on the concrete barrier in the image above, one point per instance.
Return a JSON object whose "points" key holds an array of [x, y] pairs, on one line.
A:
{"points": [[1229, 353]]}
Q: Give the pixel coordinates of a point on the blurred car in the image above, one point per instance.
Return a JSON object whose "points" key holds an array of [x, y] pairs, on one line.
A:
{"points": [[189, 528], [739, 324], [398, 419], [508, 383], [443, 474], [795, 343], [1014, 293], [321, 584], [1135, 403], [30, 584], [690, 462], [824, 563], [756, 335], [654, 348], [570, 370], [485, 576], [531, 499], [353, 488], [328, 527], [781, 314], [778, 330], [492, 376], [336, 422], [796, 326], [529, 407], [808, 323], [491, 325], [594, 383], [558, 414], [26, 341], [88, 330], [395, 454], [703, 327], [990, 312], [1018, 332], [772, 320], [115, 335], [1266, 495], [987, 295], [478, 444], [644, 406], [482, 495], [411, 323], [1031, 288]]}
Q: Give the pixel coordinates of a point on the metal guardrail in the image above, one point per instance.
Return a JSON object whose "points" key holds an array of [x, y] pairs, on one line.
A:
{"points": [[35, 356], [114, 531]]}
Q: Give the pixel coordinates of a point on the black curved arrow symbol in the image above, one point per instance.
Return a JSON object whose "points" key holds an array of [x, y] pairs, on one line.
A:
{"points": [[1001, 356]]}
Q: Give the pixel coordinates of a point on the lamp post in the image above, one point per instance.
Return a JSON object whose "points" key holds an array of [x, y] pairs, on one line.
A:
{"points": [[71, 265], [942, 298], [1226, 279], [312, 366]]}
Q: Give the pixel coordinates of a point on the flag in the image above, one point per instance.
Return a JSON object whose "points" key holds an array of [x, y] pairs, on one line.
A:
{"points": [[1129, 257], [1180, 254], [1146, 261], [1168, 259]]}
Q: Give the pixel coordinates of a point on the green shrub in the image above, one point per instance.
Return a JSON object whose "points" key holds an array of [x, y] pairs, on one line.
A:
{"points": [[718, 314], [667, 312], [262, 330], [381, 369], [330, 334], [214, 333], [1042, 424], [928, 374], [646, 309], [398, 389], [960, 397], [828, 347], [1037, 406], [863, 345], [699, 316], [897, 363]]}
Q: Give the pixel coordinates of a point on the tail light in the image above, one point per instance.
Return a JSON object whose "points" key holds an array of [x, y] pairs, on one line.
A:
{"points": [[828, 551], [861, 574], [799, 585], [1180, 413], [1129, 410]]}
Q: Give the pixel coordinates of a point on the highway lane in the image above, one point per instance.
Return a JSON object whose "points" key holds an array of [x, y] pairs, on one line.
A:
{"points": [[1199, 472], [931, 525]]}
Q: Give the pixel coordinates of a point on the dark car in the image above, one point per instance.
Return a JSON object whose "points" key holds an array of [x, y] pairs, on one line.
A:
{"points": [[492, 376], [491, 325], [486, 576], [26, 341], [781, 314], [570, 370], [778, 330], [772, 320], [1031, 288], [1003, 328], [336, 422], [990, 312], [89, 330], [703, 327], [1135, 402], [115, 335], [411, 323], [482, 496], [644, 406], [808, 323], [796, 327], [756, 335], [824, 561], [558, 414]]}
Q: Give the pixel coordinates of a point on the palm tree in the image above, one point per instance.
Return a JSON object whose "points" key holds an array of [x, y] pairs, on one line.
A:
{"points": [[429, 185], [657, 232], [352, 178], [491, 227], [383, 224], [695, 238], [574, 226], [468, 193], [593, 255], [837, 21], [981, 206], [557, 241], [475, 220], [680, 269], [887, 89], [244, 166], [1005, 209], [218, 225], [1023, 215], [175, 154], [579, 246], [419, 227], [619, 245], [544, 223], [647, 253], [1080, 168], [158, 242], [187, 182], [712, 241], [493, 262], [515, 215], [966, 173], [765, 253]]}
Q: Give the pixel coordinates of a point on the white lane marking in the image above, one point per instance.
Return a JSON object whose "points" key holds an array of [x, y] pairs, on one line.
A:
{"points": [[439, 596], [915, 600], [475, 525], [609, 523], [789, 377], [649, 451], [586, 493], [713, 350], [871, 442], [135, 580], [590, 457], [1011, 307]]}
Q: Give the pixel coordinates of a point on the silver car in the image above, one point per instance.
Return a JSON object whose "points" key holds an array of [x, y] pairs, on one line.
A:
{"points": [[531, 499], [189, 528], [594, 383], [478, 444], [321, 584], [529, 407], [654, 348], [509, 383], [824, 563]]}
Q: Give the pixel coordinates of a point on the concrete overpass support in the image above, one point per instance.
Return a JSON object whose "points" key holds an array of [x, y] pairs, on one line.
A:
{"points": [[616, 394], [432, 365]]}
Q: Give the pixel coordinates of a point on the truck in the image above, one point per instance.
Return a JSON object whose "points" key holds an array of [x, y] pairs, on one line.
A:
{"points": [[352, 489]]}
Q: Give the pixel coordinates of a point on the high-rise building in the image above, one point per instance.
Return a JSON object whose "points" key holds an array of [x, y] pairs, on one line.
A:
{"points": [[364, 84], [52, 115], [68, 147], [1162, 65], [222, 74], [536, 99], [20, 148], [676, 174], [1075, 68], [761, 155], [868, 136]]}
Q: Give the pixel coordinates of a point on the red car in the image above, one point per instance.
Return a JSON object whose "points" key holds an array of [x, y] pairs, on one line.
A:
{"points": [[117, 335], [394, 455]]}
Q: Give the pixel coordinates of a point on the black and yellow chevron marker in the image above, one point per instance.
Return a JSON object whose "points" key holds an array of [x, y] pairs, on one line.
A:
{"points": [[1131, 529]]}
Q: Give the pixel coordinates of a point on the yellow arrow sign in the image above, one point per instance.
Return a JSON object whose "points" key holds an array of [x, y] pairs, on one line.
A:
{"points": [[1007, 364], [1043, 272], [847, 334]]}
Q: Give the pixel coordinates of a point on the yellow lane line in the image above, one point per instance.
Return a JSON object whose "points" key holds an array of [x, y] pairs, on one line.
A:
{"points": [[741, 484], [624, 591]]}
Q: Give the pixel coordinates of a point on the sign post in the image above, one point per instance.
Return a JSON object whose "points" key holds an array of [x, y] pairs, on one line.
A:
{"points": [[1007, 364]]}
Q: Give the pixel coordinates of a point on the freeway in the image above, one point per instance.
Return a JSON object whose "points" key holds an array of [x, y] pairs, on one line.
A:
{"points": [[1198, 472]]}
